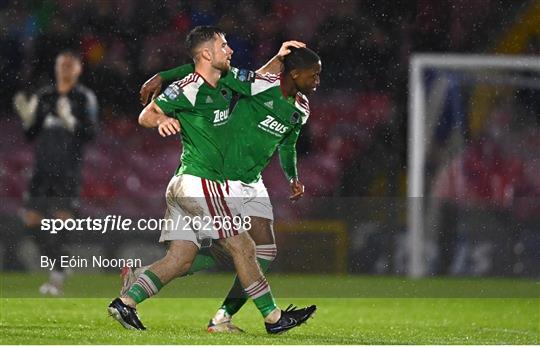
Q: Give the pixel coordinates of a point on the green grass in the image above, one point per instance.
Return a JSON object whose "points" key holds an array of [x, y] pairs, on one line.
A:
{"points": [[512, 319], [98, 285]]}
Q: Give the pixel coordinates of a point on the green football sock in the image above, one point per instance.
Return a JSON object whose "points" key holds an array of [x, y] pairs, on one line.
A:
{"points": [[201, 262], [147, 285], [237, 297], [262, 296]]}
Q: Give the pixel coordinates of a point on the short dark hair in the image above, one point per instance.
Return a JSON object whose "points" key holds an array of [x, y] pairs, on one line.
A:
{"points": [[300, 58], [201, 34], [69, 53]]}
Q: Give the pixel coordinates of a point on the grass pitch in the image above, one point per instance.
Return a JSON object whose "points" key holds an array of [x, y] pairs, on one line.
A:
{"points": [[425, 318]]}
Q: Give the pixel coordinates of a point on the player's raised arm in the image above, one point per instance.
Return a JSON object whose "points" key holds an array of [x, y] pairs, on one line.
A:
{"points": [[275, 65], [154, 84], [242, 80], [152, 116], [151, 86]]}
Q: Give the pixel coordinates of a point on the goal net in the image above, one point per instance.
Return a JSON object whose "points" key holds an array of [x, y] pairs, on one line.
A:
{"points": [[474, 165]]}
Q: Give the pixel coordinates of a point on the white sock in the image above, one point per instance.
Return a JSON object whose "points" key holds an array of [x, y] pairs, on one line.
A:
{"points": [[57, 278], [221, 316]]}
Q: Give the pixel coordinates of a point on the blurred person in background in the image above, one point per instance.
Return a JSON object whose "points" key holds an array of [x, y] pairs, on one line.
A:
{"points": [[61, 118]]}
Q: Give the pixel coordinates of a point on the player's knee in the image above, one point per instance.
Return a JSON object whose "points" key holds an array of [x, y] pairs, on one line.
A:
{"points": [[238, 243], [262, 231], [266, 252], [241, 246]]}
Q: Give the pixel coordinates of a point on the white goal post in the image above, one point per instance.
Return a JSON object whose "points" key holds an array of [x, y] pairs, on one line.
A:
{"points": [[417, 137]]}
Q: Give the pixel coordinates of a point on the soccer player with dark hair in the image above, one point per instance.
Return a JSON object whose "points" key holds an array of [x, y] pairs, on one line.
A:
{"points": [[269, 117], [200, 104], [61, 118]]}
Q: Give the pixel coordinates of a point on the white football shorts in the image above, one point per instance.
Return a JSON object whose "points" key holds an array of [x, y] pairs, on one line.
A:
{"points": [[255, 199], [199, 210]]}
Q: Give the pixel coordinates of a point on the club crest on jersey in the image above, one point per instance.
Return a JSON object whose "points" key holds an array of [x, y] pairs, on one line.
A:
{"points": [[226, 94], [272, 126], [295, 118]]}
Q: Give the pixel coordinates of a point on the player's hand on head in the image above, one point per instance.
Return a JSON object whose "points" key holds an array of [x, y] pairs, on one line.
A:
{"points": [[168, 127], [297, 190], [151, 86], [285, 47]]}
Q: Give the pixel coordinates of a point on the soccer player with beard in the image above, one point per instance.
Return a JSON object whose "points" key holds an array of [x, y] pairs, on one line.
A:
{"points": [[200, 104], [267, 118]]}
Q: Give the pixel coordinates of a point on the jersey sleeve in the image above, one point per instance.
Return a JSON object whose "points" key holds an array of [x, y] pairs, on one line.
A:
{"points": [[287, 154], [247, 82], [177, 73], [173, 100], [86, 128]]}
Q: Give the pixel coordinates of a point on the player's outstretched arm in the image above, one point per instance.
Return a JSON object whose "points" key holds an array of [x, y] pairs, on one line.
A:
{"points": [[275, 65], [153, 85], [152, 116]]}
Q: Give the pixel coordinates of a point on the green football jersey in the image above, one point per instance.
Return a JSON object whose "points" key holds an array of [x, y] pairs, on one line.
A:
{"points": [[202, 111], [263, 121]]}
